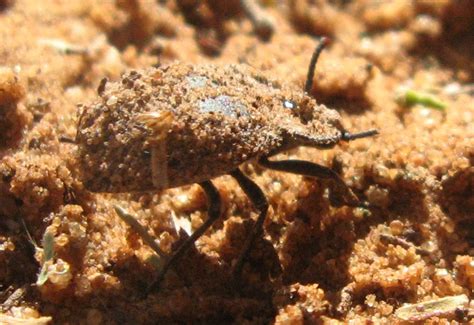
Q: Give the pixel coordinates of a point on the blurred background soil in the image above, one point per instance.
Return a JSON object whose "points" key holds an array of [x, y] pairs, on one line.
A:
{"points": [[317, 262]]}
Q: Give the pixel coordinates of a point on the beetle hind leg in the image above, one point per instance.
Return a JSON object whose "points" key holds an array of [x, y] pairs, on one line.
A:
{"points": [[214, 212], [256, 195], [307, 168]]}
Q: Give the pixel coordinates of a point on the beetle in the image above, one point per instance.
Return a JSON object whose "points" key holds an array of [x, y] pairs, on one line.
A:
{"points": [[180, 124]]}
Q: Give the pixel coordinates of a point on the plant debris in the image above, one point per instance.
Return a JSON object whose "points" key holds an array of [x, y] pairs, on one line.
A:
{"points": [[442, 307], [136, 226]]}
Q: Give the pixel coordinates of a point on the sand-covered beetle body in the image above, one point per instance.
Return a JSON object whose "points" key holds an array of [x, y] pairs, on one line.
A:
{"points": [[210, 119], [181, 124]]}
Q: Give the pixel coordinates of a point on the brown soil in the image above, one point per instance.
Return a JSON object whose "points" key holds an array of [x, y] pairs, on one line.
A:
{"points": [[317, 261]]}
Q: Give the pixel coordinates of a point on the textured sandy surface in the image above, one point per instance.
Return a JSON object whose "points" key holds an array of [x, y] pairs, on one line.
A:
{"points": [[317, 261]]}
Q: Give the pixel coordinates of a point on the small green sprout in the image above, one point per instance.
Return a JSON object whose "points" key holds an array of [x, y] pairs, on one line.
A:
{"points": [[48, 255], [410, 97]]}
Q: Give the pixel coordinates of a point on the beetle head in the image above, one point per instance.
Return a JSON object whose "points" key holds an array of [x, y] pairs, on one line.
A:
{"points": [[315, 126], [309, 124], [312, 124]]}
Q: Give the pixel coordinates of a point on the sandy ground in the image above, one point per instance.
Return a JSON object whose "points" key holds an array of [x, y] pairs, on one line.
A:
{"points": [[318, 261]]}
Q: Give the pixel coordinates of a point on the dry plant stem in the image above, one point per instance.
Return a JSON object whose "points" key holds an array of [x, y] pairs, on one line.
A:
{"points": [[259, 200], [307, 168], [138, 228], [389, 239], [14, 298], [7, 320], [441, 307], [30, 239], [262, 24], [214, 212]]}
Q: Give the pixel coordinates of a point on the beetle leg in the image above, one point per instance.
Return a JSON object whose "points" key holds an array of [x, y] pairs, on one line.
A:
{"points": [[307, 168], [159, 124], [213, 213], [256, 195], [159, 165]]}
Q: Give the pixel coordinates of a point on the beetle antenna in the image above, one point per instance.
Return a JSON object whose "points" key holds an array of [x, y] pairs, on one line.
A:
{"points": [[346, 136], [312, 65]]}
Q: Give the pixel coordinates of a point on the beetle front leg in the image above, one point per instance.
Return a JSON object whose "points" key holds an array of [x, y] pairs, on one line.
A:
{"points": [[213, 213], [256, 195], [307, 168]]}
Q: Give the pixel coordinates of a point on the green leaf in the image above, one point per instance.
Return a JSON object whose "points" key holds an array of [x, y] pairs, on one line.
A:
{"points": [[48, 255], [48, 246], [411, 97], [43, 276]]}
